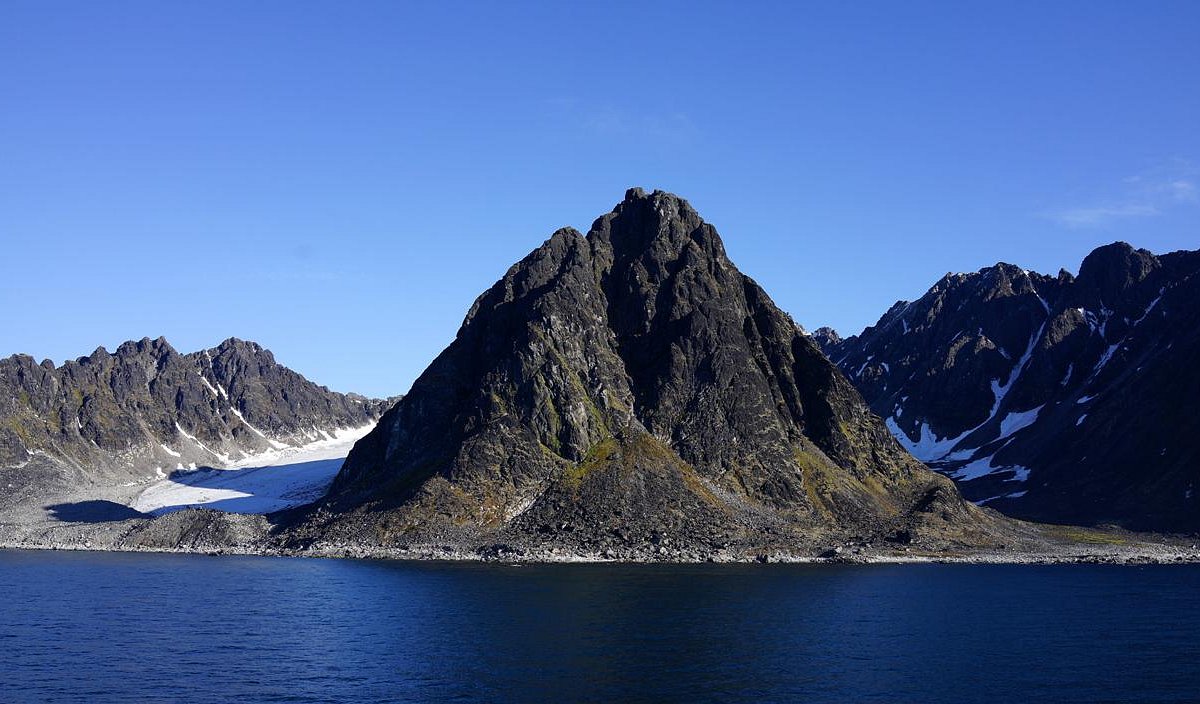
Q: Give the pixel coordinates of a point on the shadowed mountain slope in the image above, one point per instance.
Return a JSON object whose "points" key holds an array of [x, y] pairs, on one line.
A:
{"points": [[1056, 398]]}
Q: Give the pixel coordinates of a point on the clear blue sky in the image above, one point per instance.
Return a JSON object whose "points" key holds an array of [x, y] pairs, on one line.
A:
{"points": [[338, 181]]}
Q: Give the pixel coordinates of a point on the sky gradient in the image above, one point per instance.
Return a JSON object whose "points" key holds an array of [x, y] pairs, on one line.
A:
{"points": [[339, 181]]}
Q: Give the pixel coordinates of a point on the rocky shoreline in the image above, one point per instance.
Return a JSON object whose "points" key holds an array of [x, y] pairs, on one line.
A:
{"points": [[1158, 557], [213, 533]]}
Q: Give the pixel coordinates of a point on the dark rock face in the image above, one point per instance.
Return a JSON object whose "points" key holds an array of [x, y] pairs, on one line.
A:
{"points": [[146, 403], [631, 385], [1056, 398], [825, 337]]}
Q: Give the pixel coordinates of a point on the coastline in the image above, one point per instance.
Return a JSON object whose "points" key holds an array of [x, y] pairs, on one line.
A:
{"points": [[1140, 554]]}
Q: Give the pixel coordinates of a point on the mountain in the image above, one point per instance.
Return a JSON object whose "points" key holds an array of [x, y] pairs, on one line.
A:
{"points": [[107, 417], [1057, 398], [632, 388], [825, 337]]}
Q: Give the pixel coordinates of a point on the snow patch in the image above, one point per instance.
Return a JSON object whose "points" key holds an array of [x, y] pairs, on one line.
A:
{"points": [[269, 481], [1040, 299], [1018, 420], [256, 431], [207, 385], [1108, 353], [928, 446], [224, 458], [1011, 495], [960, 455], [984, 466], [998, 391], [169, 451], [973, 470], [858, 374]]}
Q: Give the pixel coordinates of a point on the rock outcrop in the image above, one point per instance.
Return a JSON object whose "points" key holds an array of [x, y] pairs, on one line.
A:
{"points": [[825, 337]]}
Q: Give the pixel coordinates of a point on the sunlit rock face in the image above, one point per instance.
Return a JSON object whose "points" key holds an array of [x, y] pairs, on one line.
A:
{"points": [[120, 416]]}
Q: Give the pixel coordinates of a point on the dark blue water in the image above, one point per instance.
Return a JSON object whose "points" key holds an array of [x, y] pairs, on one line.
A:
{"points": [[111, 627]]}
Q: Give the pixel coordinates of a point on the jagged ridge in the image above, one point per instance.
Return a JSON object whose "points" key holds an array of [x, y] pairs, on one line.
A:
{"points": [[1055, 398], [100, 415]]}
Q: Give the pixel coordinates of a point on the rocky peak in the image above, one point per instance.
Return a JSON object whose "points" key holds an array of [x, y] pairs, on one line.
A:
{"points": [[661, 267], [826, 337], [1113, 269], [233, 347], [654, 228], [98, 356], [630, 377], [238, 358], [156, 347]]}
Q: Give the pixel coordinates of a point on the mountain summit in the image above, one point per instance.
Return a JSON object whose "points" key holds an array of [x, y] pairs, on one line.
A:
{"points": [[625, 388]]}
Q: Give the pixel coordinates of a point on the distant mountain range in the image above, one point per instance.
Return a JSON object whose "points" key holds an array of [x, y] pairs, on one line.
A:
{"points": [[1056, 398], [631, 390], [109, 416]]}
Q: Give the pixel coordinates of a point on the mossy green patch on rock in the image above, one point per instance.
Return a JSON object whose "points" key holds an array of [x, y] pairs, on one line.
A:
{"points": [[1083, 535], [19, 429], [814, 475], [597, 456]]}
